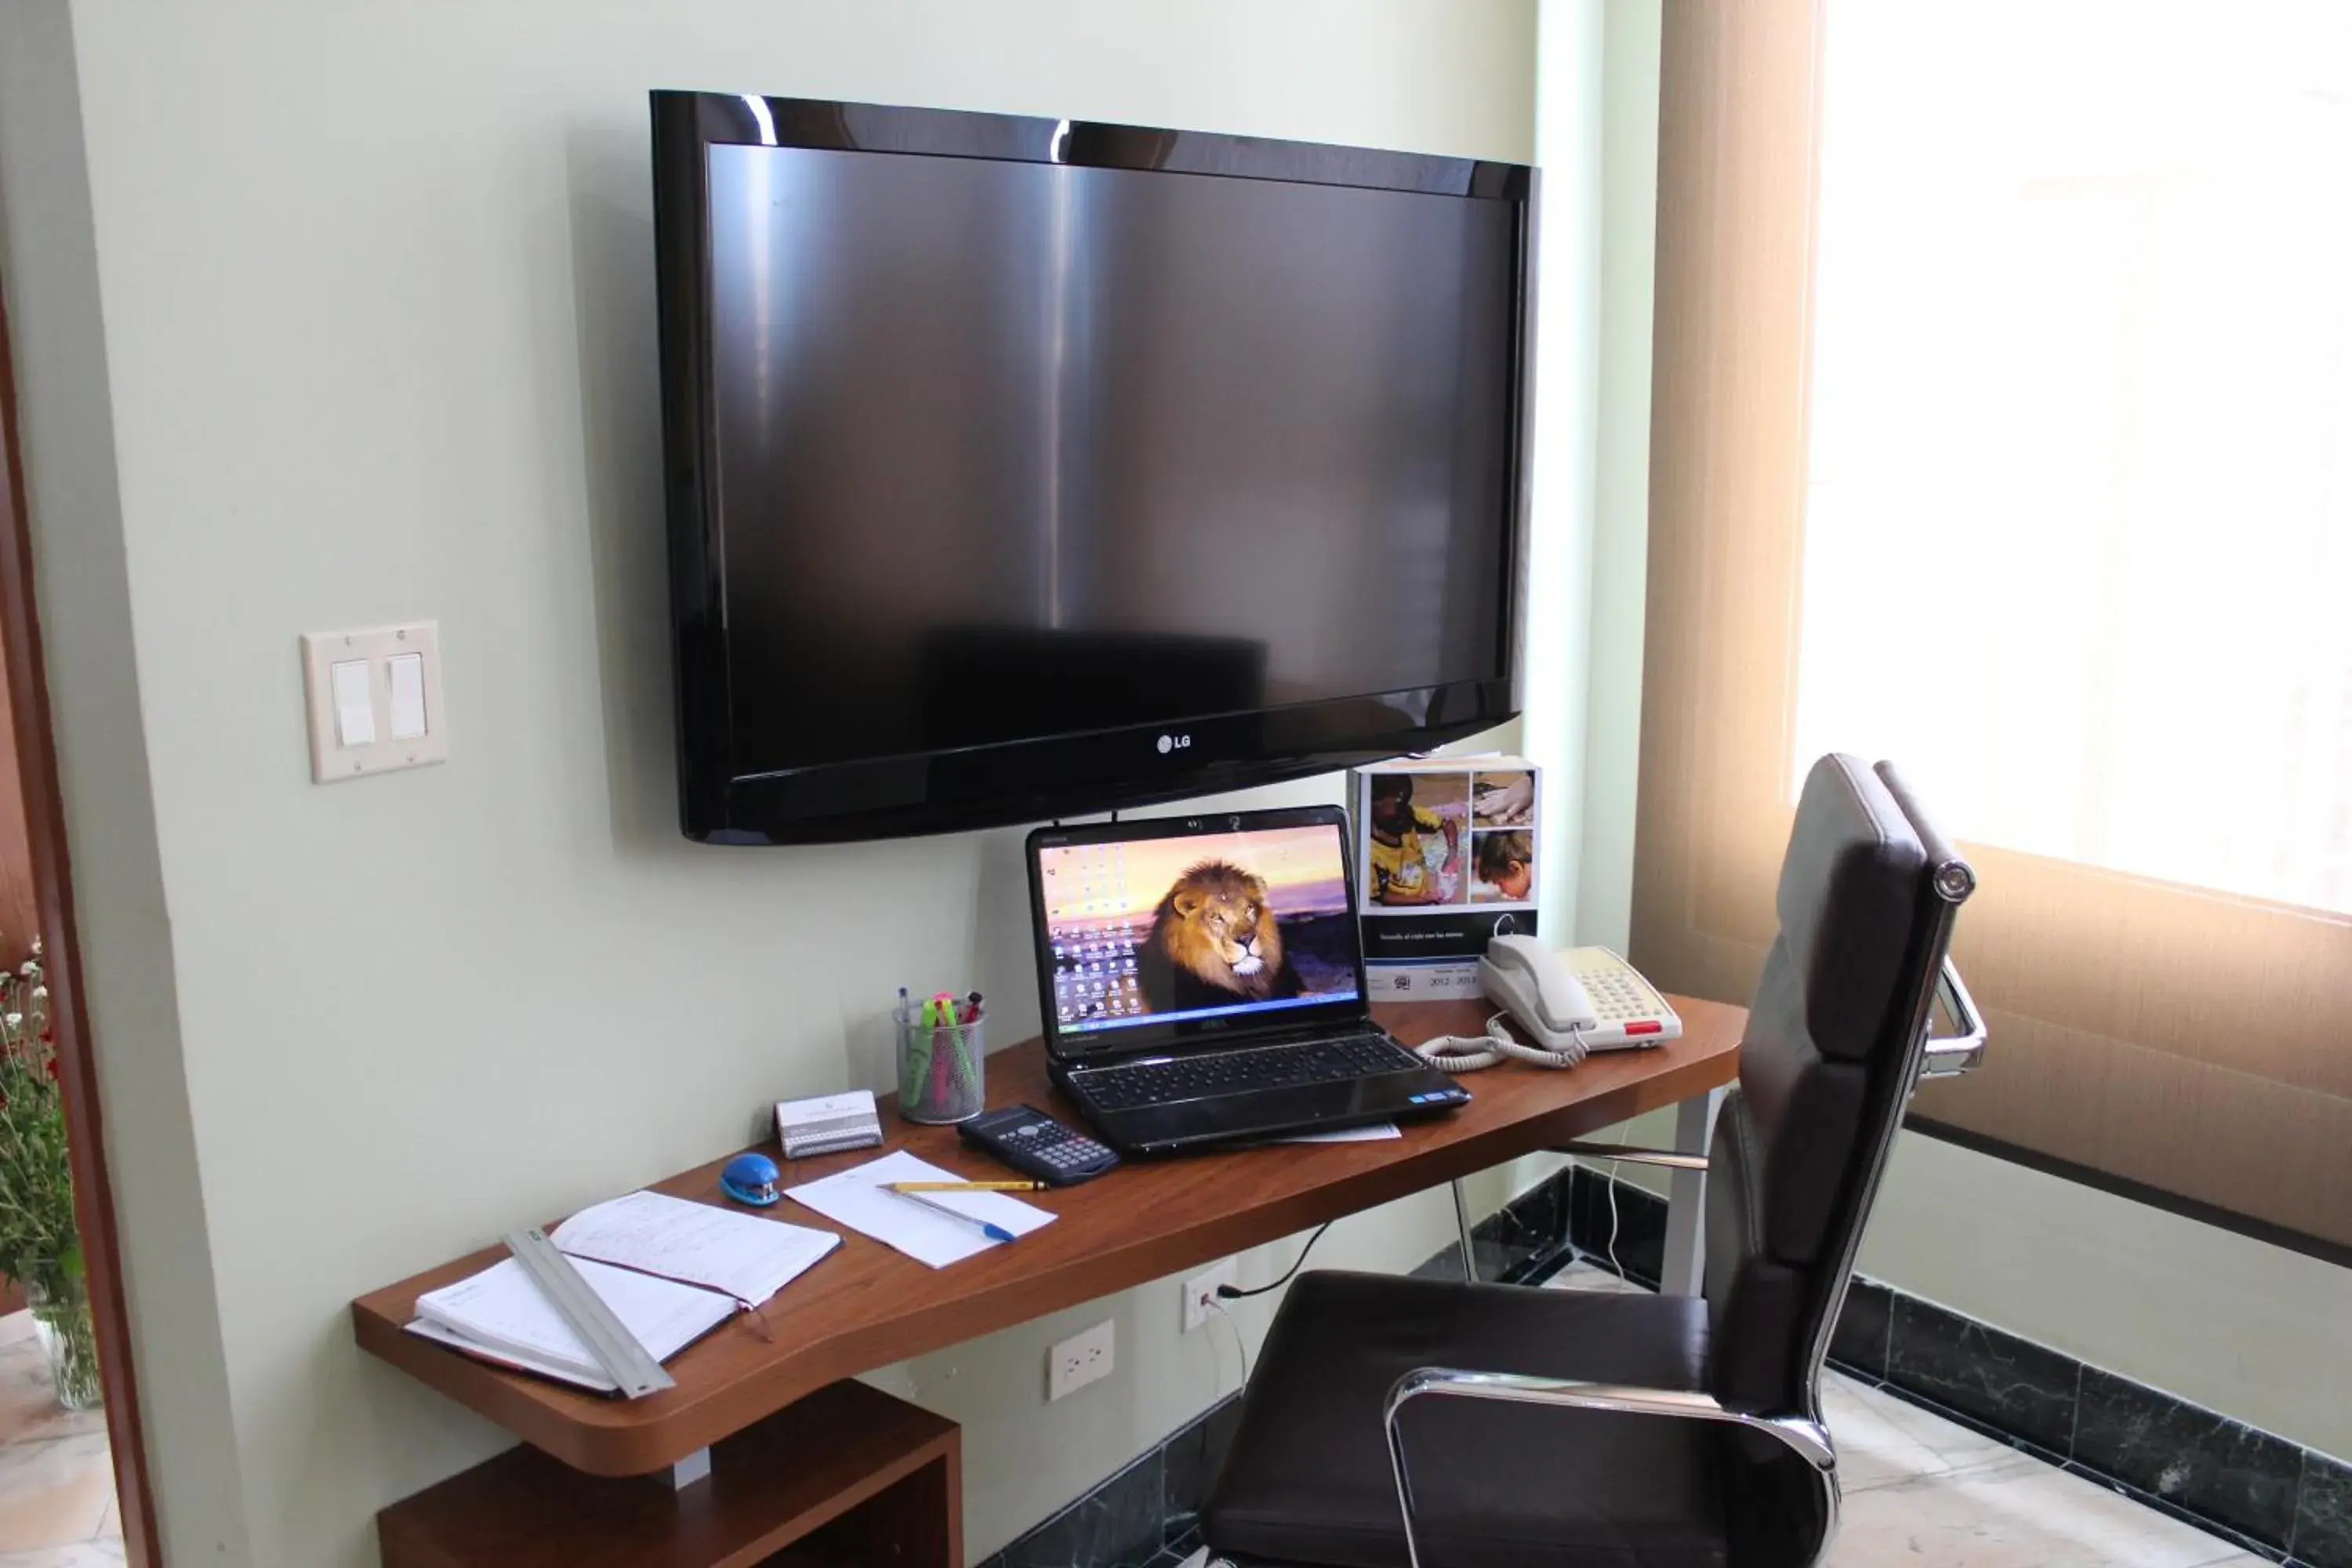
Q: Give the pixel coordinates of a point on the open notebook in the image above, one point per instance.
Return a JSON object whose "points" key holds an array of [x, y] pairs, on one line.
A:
{"points": [[670, 1270]]}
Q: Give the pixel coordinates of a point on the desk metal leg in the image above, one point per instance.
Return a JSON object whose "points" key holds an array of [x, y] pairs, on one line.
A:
{"points": [[695, 1467], [1684, 1267], [1462, 1224]]}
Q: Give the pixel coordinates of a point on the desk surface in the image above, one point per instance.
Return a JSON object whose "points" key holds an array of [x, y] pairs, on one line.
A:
{"points": [[867, 1305]]}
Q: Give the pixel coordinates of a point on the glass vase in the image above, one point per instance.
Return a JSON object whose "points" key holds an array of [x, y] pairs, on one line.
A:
{"points": [[61, 1320]]}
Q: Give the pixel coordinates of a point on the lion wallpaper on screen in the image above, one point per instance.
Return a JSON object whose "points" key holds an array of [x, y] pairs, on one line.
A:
{"points": [[1156, 926]]}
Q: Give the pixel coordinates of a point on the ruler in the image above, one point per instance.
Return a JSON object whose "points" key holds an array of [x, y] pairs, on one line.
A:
{"points": [[616, 1350]]}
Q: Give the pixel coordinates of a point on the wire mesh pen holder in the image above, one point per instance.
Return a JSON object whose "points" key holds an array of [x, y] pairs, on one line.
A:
{"points": [[939, 1064]]}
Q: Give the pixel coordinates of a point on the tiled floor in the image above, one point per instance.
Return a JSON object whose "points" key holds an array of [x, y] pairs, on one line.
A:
{"points": [[1922, 1492], [57, 1481]]}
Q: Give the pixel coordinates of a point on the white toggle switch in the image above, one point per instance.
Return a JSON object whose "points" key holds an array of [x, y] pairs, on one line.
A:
{"points": [[354, 713], [407, 695], [374, 701]]}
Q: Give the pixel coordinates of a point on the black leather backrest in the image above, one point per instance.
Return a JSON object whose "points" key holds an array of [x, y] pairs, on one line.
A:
{"points": [[1823, 1071]]}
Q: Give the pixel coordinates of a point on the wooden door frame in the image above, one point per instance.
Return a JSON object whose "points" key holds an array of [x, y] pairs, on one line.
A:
{"points": [[28, 702]]}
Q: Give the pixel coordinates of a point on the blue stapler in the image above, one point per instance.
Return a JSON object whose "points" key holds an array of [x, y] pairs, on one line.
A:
{"points": [[750, 1179]]}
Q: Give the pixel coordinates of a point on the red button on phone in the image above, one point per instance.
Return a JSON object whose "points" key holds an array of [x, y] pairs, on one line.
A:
{"points": [[1648, 1027]]}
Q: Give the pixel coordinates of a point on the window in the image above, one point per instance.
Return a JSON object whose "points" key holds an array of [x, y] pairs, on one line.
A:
{"points": [[2003, 428]]}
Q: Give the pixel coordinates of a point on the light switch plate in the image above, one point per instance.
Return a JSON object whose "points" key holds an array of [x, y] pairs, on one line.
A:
{"points": [[375, 646]]}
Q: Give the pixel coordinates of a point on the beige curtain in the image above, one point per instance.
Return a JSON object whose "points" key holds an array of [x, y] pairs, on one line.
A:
{"points": [[2189, 1044]]}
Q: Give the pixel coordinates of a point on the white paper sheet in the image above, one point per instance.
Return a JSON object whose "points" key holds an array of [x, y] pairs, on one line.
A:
{"points": [[1377, 1131], [858, 1199], [748, 1256]]}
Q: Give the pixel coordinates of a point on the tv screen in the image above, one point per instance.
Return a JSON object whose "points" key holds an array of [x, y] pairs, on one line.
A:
{"points": [[1021, 469]]}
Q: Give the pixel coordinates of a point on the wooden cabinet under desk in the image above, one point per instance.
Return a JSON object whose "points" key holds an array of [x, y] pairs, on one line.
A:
{"points": [[848, 1475], [867, 1305]]}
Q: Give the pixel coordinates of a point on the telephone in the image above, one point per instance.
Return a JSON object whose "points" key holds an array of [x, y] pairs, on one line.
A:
{"points": [[1585, 999]]}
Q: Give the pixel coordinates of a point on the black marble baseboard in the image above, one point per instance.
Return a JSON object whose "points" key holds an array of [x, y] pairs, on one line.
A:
{"points": [[1145, 1516], [2265, 1493], [1532, 1237]]}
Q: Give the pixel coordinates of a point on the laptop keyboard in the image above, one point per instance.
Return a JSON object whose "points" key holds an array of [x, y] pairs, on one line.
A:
{"points": [[1240, 1072]]}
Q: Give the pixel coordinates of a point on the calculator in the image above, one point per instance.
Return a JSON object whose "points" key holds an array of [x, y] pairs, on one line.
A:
{"points": [[1034, 1144]]}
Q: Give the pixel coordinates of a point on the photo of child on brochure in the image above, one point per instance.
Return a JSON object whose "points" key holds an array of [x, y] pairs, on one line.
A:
{"points": [[1503, 868], [1433, 839], [1418, 827]]}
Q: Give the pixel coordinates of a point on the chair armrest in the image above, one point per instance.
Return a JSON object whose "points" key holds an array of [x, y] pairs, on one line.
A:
{"points": [[1632, 1154], [1949, 1055], [1809, 1439]]}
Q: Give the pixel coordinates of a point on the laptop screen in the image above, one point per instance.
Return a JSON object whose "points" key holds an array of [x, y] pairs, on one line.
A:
{"points": [[1199, 931]]}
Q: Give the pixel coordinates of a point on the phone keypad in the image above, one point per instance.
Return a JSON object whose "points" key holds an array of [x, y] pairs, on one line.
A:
{"points": [[1616, 996]]}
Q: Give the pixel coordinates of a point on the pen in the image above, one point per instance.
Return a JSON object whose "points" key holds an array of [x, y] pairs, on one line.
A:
{"points": [[994, 1232], [967, 1186]]}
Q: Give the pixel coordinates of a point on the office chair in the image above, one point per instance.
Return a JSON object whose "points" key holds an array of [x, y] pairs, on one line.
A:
{"points": [[1401, 1422]]}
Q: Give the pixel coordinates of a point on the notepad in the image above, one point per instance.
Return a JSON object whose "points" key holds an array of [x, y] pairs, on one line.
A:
{"points": [[857, 1198], [671, 1270], [502, 1315], [748, 1257]]}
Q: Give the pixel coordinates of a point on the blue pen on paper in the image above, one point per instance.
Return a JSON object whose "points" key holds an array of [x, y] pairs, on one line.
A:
{"points": [[992, 1231]]}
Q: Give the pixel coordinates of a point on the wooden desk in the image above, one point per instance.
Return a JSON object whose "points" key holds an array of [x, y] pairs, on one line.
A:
{"points": [[867, 1305]]}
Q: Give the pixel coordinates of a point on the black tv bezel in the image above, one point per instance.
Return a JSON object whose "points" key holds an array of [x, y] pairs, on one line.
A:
{"points": [[1049, 776]]}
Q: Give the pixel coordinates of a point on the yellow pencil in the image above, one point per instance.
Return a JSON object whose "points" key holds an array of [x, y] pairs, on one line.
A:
{"points": [[967, 1186]]}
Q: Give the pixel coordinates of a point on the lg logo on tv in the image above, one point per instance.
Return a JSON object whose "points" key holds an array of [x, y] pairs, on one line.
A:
{"points": [[1174, 743]]}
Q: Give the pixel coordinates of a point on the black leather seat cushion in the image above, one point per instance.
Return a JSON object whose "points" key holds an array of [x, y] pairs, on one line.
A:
{"points": [[1496, 1485]]}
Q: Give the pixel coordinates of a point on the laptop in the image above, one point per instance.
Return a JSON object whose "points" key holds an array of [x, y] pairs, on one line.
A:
{"points": [[1203, 982]]}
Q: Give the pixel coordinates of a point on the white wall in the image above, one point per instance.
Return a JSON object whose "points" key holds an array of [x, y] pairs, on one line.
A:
{"points": [[1627, 68], [370, 334], [2254, 1331], [1562, 426], [1615, 77], [48, 265]]}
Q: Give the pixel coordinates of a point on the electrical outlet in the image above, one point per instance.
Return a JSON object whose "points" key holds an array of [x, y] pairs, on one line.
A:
{"points": [[1202, 1289], [1078, 1360]]}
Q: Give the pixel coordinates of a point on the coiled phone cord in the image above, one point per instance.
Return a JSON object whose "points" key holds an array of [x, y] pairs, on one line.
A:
{"points": [[1469, 1053]]}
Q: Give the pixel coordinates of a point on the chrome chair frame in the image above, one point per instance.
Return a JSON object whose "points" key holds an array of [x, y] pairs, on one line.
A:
{"points": [[1943, 1055], [1808, 1438], [1949, 1055]]}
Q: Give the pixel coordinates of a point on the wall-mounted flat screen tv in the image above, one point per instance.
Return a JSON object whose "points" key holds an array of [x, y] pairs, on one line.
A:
{"points": [[1024, 468]]}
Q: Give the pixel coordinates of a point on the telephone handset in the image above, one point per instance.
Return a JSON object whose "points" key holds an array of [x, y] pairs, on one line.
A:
{"points": [[1527, 980], [1584, 999]]}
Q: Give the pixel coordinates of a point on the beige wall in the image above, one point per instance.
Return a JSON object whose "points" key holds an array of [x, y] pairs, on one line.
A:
{"points": [[333, 313], [2251, 1330]]}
